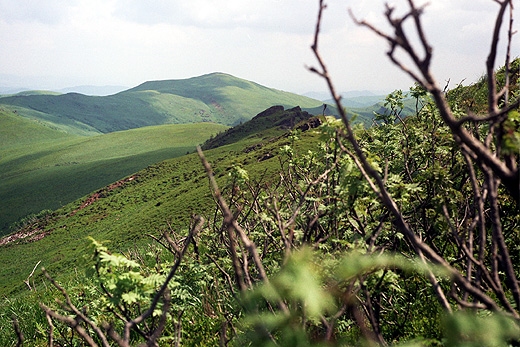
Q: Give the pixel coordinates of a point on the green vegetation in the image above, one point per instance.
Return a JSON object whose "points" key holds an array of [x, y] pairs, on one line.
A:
{"points": [[274, 121], [45, 168], [46, 161], [312, 231], [215, 98], [144, 202], [338, 265]]}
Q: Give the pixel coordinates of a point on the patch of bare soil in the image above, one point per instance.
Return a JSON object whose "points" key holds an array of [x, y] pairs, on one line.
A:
{"points": [[101, 193], [23, 234], [35, 231]]}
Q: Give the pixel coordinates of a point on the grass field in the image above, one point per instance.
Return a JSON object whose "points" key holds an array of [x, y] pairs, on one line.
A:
{"points": [[167, 192], [45, 168]]}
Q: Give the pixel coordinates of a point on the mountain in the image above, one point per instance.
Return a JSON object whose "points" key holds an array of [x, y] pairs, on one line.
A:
{"points": [[360, 101], [269, 123], [86, 89], [217, 98], [325, 96], [93, 90]]}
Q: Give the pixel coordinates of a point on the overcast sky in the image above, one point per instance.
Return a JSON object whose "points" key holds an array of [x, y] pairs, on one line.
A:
{"points": [[61, 43]]}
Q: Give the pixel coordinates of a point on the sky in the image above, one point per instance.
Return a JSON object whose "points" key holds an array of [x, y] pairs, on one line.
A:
{"points": [[55, 44]]}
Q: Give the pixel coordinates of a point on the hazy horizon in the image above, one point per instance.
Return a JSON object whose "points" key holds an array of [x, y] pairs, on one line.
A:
{"points": [[54, 45], [103, 90]]}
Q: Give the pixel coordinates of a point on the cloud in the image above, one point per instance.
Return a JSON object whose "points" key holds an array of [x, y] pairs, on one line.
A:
{"points": [[268, 41], [291, 16], [48, 12]]}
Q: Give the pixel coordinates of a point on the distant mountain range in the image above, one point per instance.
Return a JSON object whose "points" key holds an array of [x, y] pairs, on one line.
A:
{"points": [[94, 90], [87, 90], [49, 157], [216, 97]]}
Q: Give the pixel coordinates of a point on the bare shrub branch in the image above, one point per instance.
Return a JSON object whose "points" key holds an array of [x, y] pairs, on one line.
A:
{"points": [[477, 151]]}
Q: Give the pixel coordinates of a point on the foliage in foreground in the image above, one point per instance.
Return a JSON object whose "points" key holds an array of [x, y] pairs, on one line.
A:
{"points": [[311, 259]]}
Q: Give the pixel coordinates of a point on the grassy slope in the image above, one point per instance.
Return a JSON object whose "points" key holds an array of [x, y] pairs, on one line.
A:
{"points": [[166, 192], [43, 168], [51, 121], [217, 98], [227, 97]]}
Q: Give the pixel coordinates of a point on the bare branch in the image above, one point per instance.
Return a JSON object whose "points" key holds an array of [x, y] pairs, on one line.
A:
{"points": [[490, 62], [73, 323], [232, 225], [18, 331], [51, 330], [510, 177], [80, 316], [161, 292], [27, 281], [460, 134]]}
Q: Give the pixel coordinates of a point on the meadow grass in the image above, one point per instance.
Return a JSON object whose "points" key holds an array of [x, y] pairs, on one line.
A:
{"points": [[163, 196], [42, 168]]}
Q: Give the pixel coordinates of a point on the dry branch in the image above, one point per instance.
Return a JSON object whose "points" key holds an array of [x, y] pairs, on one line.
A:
{"points": [[475, 150]]}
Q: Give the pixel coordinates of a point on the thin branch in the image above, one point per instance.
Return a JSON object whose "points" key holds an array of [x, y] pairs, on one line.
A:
{"points": [[51, 330], [161, 292], [27, 281], [510, 177], [490, 62], [18, 331], [232, 224], [362, 163], [74, 323]]}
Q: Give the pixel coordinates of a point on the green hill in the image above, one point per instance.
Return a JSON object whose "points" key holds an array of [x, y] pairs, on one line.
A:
{"points": [[51, 153], [145, 202], [43, 167], [217, 98]]}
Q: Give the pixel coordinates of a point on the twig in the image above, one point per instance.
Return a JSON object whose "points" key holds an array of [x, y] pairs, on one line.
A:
{"points": [[51, 330], [232, 226], [160, 293], [423, 250], [27, 281], [80, 316]]}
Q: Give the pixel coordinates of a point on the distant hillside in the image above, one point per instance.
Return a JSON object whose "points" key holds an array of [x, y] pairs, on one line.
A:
{"points": [[94, 90], [360, 101], [42, 167], [217, 98], [325, 96]]}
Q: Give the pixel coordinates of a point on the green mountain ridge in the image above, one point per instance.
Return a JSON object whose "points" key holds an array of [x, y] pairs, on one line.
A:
{"points": [[51, 152], [217, 98], [274, 120]]}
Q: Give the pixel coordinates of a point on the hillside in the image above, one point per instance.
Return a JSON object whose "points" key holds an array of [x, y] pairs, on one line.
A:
{"points": [[140, 204], [217, 98], [44, 168], [274, 121], [303, 229]]}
